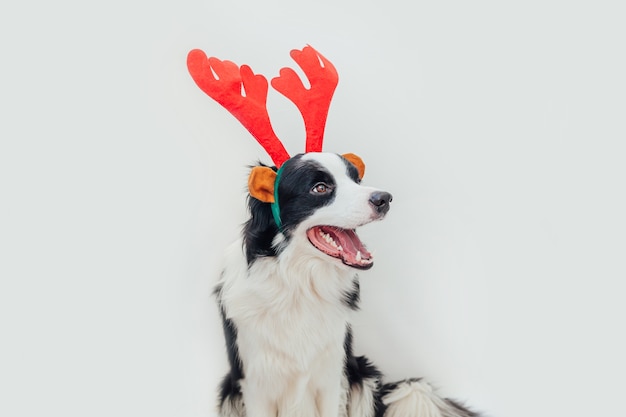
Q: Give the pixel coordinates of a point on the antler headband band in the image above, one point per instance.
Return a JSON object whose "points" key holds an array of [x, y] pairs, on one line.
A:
{"points": [[244, 95]]}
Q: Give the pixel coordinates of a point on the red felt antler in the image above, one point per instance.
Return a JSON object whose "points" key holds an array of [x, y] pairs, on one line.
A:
{"points": [[314, 102], [223, 81]]}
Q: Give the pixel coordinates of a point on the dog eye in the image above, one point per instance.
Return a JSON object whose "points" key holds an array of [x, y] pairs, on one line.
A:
{"points": [[320, 188]]}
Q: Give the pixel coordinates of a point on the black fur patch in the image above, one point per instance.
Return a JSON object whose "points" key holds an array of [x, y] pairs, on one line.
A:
{"points": [[259, 231], [359, 368], [230, 335], [352, 297], [229, 389], [353, 173], [462, 409], [296, 200]]}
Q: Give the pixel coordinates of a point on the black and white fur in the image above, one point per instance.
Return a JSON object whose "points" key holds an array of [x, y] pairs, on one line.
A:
{"points": [[286, 308]]}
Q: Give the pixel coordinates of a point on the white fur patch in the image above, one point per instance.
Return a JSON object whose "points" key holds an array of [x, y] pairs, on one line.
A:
{"points": [[417, 399], [362, 399]]}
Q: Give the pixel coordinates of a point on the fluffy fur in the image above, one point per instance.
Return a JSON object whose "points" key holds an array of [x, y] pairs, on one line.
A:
{"points": [[286, 297]]}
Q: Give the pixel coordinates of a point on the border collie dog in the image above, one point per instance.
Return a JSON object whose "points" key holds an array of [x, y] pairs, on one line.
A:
{"points": [[286, 295]]}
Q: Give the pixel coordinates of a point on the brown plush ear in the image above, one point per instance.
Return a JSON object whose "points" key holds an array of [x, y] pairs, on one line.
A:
{"points": [[357, 162], [261, 183]]}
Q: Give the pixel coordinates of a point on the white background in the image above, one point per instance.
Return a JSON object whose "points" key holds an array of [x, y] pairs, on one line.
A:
{"points": [[498, 126]]}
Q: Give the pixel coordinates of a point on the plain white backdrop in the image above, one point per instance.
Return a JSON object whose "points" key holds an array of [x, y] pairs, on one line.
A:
{"points": [[498, 126]]}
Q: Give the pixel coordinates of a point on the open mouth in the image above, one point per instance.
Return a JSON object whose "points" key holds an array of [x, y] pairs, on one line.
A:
{"points": [[342, 244]]}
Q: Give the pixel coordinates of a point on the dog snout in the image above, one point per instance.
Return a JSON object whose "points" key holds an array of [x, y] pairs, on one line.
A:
{"points": [[380, 201]]}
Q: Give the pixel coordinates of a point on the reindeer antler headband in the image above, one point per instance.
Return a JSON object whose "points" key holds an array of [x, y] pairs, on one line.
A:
{"points": [[224, 81]]}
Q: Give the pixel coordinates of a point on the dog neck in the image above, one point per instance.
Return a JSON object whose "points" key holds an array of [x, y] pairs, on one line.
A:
{"points": [[303, 272]]}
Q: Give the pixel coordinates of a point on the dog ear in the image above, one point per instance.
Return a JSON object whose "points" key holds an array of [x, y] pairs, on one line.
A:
{"points": [[261, 183], [357, 162]]}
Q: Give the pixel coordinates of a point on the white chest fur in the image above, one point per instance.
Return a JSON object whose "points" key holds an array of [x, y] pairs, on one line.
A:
{"points": [[291, 319]]}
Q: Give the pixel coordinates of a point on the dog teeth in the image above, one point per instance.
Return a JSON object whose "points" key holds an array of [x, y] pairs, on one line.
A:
{"points": [[329, 239], [358, 256]]}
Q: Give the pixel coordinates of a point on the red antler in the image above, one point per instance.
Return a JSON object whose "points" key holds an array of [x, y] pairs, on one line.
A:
{"points": [[250, 110], [313, 103]]}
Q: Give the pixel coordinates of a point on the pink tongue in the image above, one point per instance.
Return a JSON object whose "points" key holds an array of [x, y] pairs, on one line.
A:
{"points": [[349, 241]]}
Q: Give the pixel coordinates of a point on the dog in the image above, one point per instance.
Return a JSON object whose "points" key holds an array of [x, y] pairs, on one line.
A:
{"points": [[290, 285], [286, 298]]}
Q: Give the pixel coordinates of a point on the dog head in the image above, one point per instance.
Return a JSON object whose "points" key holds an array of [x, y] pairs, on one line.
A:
{"points": [[314, 202], [320, 203]]}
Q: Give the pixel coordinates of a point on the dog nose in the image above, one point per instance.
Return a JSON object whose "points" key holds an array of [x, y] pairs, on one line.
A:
{"points": [[380, 200]]}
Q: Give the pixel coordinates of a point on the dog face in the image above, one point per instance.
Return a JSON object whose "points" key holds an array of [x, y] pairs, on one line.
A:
{"points": [[322, 203]]}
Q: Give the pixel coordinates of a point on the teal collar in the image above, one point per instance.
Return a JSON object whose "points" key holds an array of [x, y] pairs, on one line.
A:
{"points": [[275, 206]]}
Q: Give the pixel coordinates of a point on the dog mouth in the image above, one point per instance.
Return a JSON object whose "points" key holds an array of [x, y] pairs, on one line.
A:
{"points": [[342, 244]]}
